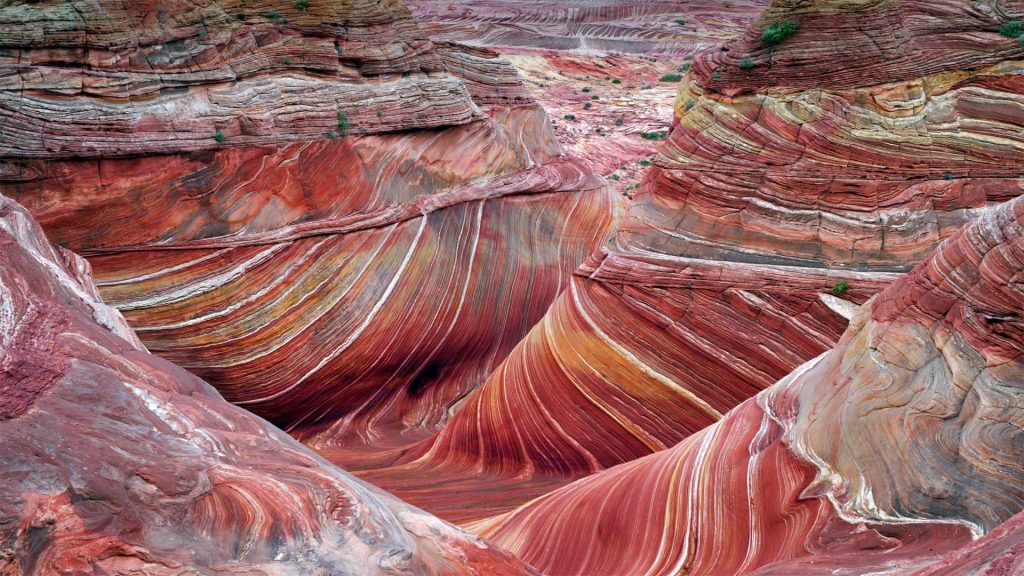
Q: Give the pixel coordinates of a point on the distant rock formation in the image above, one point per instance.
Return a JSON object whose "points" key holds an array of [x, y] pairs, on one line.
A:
{"points": [[887, 453], [339, 224], [638, 27], [116, 461]]}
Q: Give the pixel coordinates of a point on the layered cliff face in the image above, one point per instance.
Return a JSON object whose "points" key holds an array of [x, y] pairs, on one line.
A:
{"points": [[116, 461], [339, 224], [884, 454], [773, 210]]}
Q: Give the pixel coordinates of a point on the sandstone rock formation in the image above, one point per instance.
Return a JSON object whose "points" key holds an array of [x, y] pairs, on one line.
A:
{"points": [[339, 224], [114, 461], [773, 210], [882, 455]]}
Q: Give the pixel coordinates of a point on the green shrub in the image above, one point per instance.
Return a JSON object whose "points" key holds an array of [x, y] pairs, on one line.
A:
{"points": [[287, 61], [272, 15], [586, 88], [618, 122], [690, 104], [671, 78], [681, 22], [840, 287], [684, 67], [614, 177], [1012, 29], [570, 116], [380, 113], [219, 137], [331, 135], [301, 4], [654, 135], [644, 162], [594, 97], [240, 16], [343, 124], [616, 81], [586, 105], [778, 32], [746, 64], [716, 75]]}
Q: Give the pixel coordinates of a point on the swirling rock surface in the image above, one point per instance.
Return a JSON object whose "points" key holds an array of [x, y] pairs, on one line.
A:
{"points": [[729, 268], [114, 461], [881, 456], [353, 284]]}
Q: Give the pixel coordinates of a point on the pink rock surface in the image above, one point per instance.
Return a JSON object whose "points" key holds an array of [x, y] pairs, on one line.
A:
{"points": [[881, 455], [114, 461]]}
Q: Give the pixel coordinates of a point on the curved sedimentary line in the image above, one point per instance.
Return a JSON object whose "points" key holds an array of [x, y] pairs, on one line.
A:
{"points": [[696, 400], [359, 329], [625, 423], [253, 298], [312, 319], [204, 286]]}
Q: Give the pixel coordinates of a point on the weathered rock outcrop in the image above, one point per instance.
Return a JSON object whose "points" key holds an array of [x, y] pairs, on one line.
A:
{"points": [[340, 225], [884, 454], [113, 460]]}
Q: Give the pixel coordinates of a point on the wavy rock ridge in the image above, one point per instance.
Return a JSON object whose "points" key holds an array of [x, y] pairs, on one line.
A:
{"points": [[116, 461], [355, 254], [881, 455]]}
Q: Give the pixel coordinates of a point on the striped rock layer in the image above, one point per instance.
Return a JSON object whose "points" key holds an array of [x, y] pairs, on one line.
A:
{"points": [[353, 284], [721, 278], [118, 462], [639, 26], [885, 455]]}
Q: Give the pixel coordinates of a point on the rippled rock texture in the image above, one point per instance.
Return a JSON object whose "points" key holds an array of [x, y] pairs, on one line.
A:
{"points": [[341, 225], [884, 454], [768, 216], [115, 461]]}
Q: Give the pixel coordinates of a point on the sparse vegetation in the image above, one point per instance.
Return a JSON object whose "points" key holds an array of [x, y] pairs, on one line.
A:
{"points": [[840, 287], [272, 16], [690, 104], [654, 135], [301, 4], [1012, 29], [380, 113], [287, 61], [671, 78], [947, 176], [778, 32], [331, 135], [746, 64], [343, 124], [219, 137]]}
